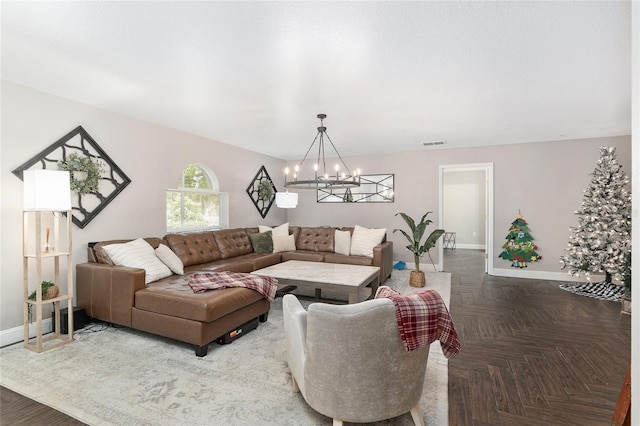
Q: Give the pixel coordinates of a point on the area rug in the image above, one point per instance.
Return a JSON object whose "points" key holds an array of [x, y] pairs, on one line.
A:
{"points": [[119, 376], [602, 290]]}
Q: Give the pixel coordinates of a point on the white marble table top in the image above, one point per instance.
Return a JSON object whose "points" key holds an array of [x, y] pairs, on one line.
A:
{"points": [[320, 272]]}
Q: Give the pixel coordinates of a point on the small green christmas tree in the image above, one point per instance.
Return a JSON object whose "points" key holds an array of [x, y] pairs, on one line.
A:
{"points": [[519, 248]]}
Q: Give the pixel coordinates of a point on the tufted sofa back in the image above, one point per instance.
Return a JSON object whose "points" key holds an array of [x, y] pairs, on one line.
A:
{"points": [[316, 239], [194, 248], [233, 242], [208, 246]]}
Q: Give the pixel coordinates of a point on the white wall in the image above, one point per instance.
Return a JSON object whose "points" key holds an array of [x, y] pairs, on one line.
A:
{"points": [[152, 156], [464, 206], [544, 180]]}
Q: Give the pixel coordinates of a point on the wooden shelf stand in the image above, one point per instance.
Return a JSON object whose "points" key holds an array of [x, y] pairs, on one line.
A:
{"points": [[51, 253]]}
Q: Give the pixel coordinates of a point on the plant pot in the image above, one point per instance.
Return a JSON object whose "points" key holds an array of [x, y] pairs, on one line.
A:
{"points": [[626, 305], [416, 279], [51, 292]]}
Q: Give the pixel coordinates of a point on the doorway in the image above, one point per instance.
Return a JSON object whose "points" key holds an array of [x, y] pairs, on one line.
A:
{"points": [[466, 208]]}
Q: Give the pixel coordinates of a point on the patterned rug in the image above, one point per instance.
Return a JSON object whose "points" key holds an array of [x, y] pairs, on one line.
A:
{"points": [[601, 290], [119, 376]]}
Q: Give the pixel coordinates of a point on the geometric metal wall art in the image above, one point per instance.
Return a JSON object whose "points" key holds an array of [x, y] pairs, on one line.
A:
{"points": [[372, 189], [262, 191], [95, 179]]}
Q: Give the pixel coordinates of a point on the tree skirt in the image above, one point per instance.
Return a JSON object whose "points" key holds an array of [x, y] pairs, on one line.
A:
{"points": [[602, 290]]}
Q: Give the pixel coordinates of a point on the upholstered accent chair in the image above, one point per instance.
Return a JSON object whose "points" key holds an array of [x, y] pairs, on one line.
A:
{"points": [[349, 363]]}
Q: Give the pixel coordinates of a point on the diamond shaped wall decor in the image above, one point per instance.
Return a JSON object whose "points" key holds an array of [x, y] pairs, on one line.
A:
{"points": [[262, 191], [95, 179]]}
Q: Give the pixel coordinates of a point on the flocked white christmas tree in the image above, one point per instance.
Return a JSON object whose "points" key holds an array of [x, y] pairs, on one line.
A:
{"points": [[601, 242]]}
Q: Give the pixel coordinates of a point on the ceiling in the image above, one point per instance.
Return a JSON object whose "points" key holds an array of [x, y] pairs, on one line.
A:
{"points": [[389, 75]]}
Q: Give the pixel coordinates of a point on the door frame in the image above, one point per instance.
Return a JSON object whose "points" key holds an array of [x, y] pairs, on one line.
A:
{"points": [[488, 172]]}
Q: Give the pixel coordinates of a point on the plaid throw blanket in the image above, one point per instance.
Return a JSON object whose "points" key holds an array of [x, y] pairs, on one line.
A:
{"points": [[422, 319], [266, 286]]}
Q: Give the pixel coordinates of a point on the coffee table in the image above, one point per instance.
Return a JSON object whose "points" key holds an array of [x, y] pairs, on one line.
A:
{"points": [[350, 279]]}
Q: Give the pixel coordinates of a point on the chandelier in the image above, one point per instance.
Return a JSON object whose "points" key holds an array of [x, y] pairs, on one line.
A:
{"points": [[342, 177]]}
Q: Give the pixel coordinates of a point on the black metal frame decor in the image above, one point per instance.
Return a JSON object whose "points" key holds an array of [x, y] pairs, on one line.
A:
{"points": [[262, 191], [79, 153], [373, 189]]}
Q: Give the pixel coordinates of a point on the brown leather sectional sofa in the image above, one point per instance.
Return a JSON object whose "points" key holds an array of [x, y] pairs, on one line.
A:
{"points": [[169, 308]]}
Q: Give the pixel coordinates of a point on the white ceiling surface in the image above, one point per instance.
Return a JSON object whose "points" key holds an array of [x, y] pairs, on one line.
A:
{"points": [[389, 75]]}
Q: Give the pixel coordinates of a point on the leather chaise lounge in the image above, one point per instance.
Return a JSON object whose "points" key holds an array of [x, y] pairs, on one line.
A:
{"points": [[168, 307]]}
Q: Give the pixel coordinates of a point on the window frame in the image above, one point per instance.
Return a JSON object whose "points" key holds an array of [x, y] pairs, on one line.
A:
{"points": [[223, 210]]}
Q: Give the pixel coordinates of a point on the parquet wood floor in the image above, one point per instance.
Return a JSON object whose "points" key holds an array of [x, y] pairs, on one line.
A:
{"points": [[532, 354], [16, 409]]}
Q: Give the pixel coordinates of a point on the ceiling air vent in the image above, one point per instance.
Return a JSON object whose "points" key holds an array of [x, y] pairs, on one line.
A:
{"points": [[434, 143]]}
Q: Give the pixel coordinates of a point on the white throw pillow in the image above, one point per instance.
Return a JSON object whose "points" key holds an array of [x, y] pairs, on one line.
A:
{"points": [[278, 230], [342, 242], [138, 254], [364, 240], [284, 243], [169, 258]]}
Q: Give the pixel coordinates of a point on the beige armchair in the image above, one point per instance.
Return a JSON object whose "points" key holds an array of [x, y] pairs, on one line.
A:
{"points": [[349, 363]]}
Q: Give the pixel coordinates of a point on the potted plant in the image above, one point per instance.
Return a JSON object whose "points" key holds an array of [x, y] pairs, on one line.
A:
{"points": [[418, 249], [49, 291]]}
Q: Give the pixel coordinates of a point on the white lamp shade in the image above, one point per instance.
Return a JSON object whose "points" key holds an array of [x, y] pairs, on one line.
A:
{"points": [[286, 200], [47, 190]]}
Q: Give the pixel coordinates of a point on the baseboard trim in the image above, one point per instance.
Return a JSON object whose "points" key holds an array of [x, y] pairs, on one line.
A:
{"points": [[537, 275], [16, 334], [469, 246]]}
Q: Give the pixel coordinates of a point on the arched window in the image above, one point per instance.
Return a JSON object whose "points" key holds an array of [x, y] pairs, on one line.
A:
{"points": [[197, 203]]}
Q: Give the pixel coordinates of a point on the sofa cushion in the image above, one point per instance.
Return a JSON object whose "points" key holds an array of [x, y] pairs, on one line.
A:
{"points": [[102, 257], [309, 256], [342, 242], [173, 296], [259, 260], [194, 248], [233, 242], [348, 260], [262, 242], [138, 254], [284, 243], [364, 240], [316, 239], [231, 265], [278, 230], [169, 258]]}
